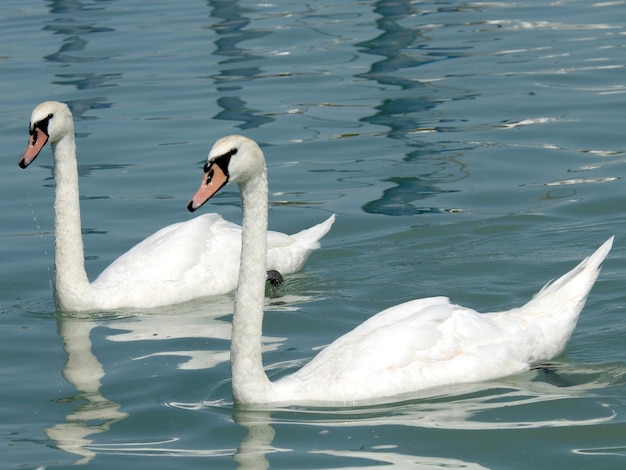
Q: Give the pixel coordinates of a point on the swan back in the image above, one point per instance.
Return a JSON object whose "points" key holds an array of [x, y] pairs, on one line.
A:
{"points": [[428, 343]]}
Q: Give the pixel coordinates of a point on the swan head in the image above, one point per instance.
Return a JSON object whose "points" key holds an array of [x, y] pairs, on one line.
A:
{"points": [[50, 121], [233, 158]]}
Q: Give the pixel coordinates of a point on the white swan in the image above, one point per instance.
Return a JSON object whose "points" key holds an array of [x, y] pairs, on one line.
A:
{"points": [[183, 261], [416, 345]]}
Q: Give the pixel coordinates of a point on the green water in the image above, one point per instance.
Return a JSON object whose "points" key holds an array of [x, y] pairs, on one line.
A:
{"points": [[474, 150]]}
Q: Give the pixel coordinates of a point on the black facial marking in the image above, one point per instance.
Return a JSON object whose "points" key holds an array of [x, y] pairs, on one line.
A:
{"points": [[222, 161], [42, 125]]}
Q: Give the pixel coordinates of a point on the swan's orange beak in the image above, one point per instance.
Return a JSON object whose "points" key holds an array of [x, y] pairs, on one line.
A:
{"points": [[38, 139], [214, 179]]}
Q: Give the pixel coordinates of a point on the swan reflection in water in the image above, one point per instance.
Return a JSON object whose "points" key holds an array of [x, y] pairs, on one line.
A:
{"points": [[85, 372], [483, 406], [95, 413]]}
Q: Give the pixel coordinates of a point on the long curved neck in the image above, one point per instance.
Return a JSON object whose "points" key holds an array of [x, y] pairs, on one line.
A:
{"points": [[250, 383], [71, 282]]}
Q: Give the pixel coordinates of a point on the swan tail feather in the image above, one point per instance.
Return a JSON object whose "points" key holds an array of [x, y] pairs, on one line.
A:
{"points": [[579, 281], [549, 318], [310, 237]]}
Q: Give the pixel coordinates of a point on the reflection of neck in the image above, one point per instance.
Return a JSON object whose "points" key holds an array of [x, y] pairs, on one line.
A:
{"points": [[83, 371], [253, 450], [250, 384], [71, 281]]}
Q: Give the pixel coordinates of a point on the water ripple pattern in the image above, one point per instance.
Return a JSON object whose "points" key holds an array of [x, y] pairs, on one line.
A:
{"points": [[469, 149]]}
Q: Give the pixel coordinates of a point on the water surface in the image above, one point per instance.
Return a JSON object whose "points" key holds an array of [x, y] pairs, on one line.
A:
{"points": [[473, 150]]}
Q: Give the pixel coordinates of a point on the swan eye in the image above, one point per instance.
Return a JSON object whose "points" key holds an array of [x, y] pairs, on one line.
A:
{"points": [[210, 175]]}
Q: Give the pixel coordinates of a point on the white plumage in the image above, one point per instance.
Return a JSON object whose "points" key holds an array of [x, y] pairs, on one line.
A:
{"points": [[180, 262], [413, 346]]}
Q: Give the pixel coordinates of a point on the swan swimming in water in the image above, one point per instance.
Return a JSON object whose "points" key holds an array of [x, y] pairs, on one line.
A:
{"points": [[412, 346], [180, 262]]}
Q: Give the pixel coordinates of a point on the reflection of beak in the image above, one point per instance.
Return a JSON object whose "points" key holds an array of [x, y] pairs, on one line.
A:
{"points": [[213, 180], [38, 139]]}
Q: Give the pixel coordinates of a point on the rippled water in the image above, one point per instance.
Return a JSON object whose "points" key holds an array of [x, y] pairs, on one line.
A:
{"points": [[474, 150]]}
